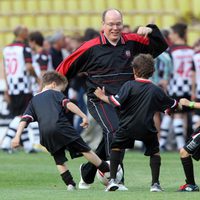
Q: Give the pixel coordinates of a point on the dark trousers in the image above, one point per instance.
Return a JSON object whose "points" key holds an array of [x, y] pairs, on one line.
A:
{"points": [[106, 116]]}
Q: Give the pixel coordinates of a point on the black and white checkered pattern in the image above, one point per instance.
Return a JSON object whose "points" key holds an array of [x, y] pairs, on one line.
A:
{"points": [[20, 85], [15, 58], [180, 83], [196, 60], [179, 88]]}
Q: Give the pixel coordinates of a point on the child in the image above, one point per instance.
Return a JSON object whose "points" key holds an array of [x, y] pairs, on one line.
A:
{"points": [[56, 133], [138, 101], [192, 147]]}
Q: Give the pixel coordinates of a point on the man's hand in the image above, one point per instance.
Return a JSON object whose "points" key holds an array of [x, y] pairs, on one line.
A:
{"points": [[15, 142], [184, 102], [144, 31], [85, 122], [99, 92]]}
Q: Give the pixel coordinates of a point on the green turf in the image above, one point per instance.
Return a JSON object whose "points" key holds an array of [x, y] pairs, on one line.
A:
{"points": [[24, 177]]}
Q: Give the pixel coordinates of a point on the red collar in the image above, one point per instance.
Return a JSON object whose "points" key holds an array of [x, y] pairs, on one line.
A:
{"points": [[104, 40], [143, 80]]}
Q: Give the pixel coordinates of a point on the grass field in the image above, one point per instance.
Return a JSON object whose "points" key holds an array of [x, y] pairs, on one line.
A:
{"points": [[27, 177]]}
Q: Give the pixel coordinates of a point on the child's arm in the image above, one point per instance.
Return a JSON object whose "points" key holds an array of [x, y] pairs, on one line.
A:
{"points": [[100, 93], [190, 104], [75, 109], [16, 140]]}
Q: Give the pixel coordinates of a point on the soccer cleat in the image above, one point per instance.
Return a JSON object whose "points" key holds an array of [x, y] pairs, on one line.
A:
{"points": [[82, 184], [188, 188], [156, 188], [112, 186], [71, 187], [122, 187]]}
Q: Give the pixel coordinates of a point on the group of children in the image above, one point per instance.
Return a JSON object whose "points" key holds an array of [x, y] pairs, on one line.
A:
{"points": [[138, 100]]}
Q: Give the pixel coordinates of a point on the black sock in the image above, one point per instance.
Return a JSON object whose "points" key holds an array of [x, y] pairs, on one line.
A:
{"points": [[104, 167], [115, 160], [67, 178], [188, 170], [122, 165], [155, 162]]}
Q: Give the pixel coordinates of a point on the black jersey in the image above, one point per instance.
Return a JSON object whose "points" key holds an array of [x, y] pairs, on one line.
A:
{"points": [[107, 65], [138, 101], [49, 109]]}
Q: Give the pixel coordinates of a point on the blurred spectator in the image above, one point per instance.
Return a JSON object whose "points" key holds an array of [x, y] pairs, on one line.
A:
{"points": [[126, 28], [196, 60], [17, 72], [90, 33], [41, 58], [47, 43], [57, 49], [163, 67], [182, 83]]}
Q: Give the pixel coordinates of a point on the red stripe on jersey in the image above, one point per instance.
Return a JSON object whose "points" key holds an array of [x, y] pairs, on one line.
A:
{"points": [[27, 116], [66, 63], [103, 39], [179, 47], [112, 98], [64, 102], [44, 67], [122, 40], [16, 44], [142, 80], [28, 60], [135, 37], [197, 52]]}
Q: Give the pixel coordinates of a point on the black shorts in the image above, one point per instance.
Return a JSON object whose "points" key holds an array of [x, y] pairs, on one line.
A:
{"points": [[124, 140], [18, 103], [193, 145], [75, 149]]}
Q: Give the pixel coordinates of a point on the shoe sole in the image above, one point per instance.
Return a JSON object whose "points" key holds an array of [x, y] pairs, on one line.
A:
{"points": [[113, 188]]}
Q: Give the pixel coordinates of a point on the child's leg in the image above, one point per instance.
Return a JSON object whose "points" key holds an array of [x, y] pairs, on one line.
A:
{"points": [[66, 175], [60, 160], [94, 159], [187, 164], [152, 149], [80, 146], [115, 160], [155, 162]]}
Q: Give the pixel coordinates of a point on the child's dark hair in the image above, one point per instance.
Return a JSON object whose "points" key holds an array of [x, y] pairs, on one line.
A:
{"points": [[53, 76], [143, 65], [180, 29], [37, 37]]}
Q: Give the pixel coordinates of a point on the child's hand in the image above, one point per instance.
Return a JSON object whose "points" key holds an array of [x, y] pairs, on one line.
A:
{"points": [[85, 122], [99, 92], [15, 142], [184, 102]]}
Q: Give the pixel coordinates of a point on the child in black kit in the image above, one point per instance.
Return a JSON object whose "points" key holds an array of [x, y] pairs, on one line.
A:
{"points": [[49, 109], [138, 100]]}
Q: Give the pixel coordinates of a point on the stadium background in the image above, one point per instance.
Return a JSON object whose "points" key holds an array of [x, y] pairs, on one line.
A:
{"points": [[74, 16]]}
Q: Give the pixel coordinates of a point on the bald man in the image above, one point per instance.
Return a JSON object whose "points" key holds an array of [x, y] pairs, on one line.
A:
{"points": [[107, 61]]}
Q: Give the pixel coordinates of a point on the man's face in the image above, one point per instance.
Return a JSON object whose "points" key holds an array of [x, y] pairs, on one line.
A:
{"points": [[25, 33], [173, 37], [112, 25], [31, 44]]}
